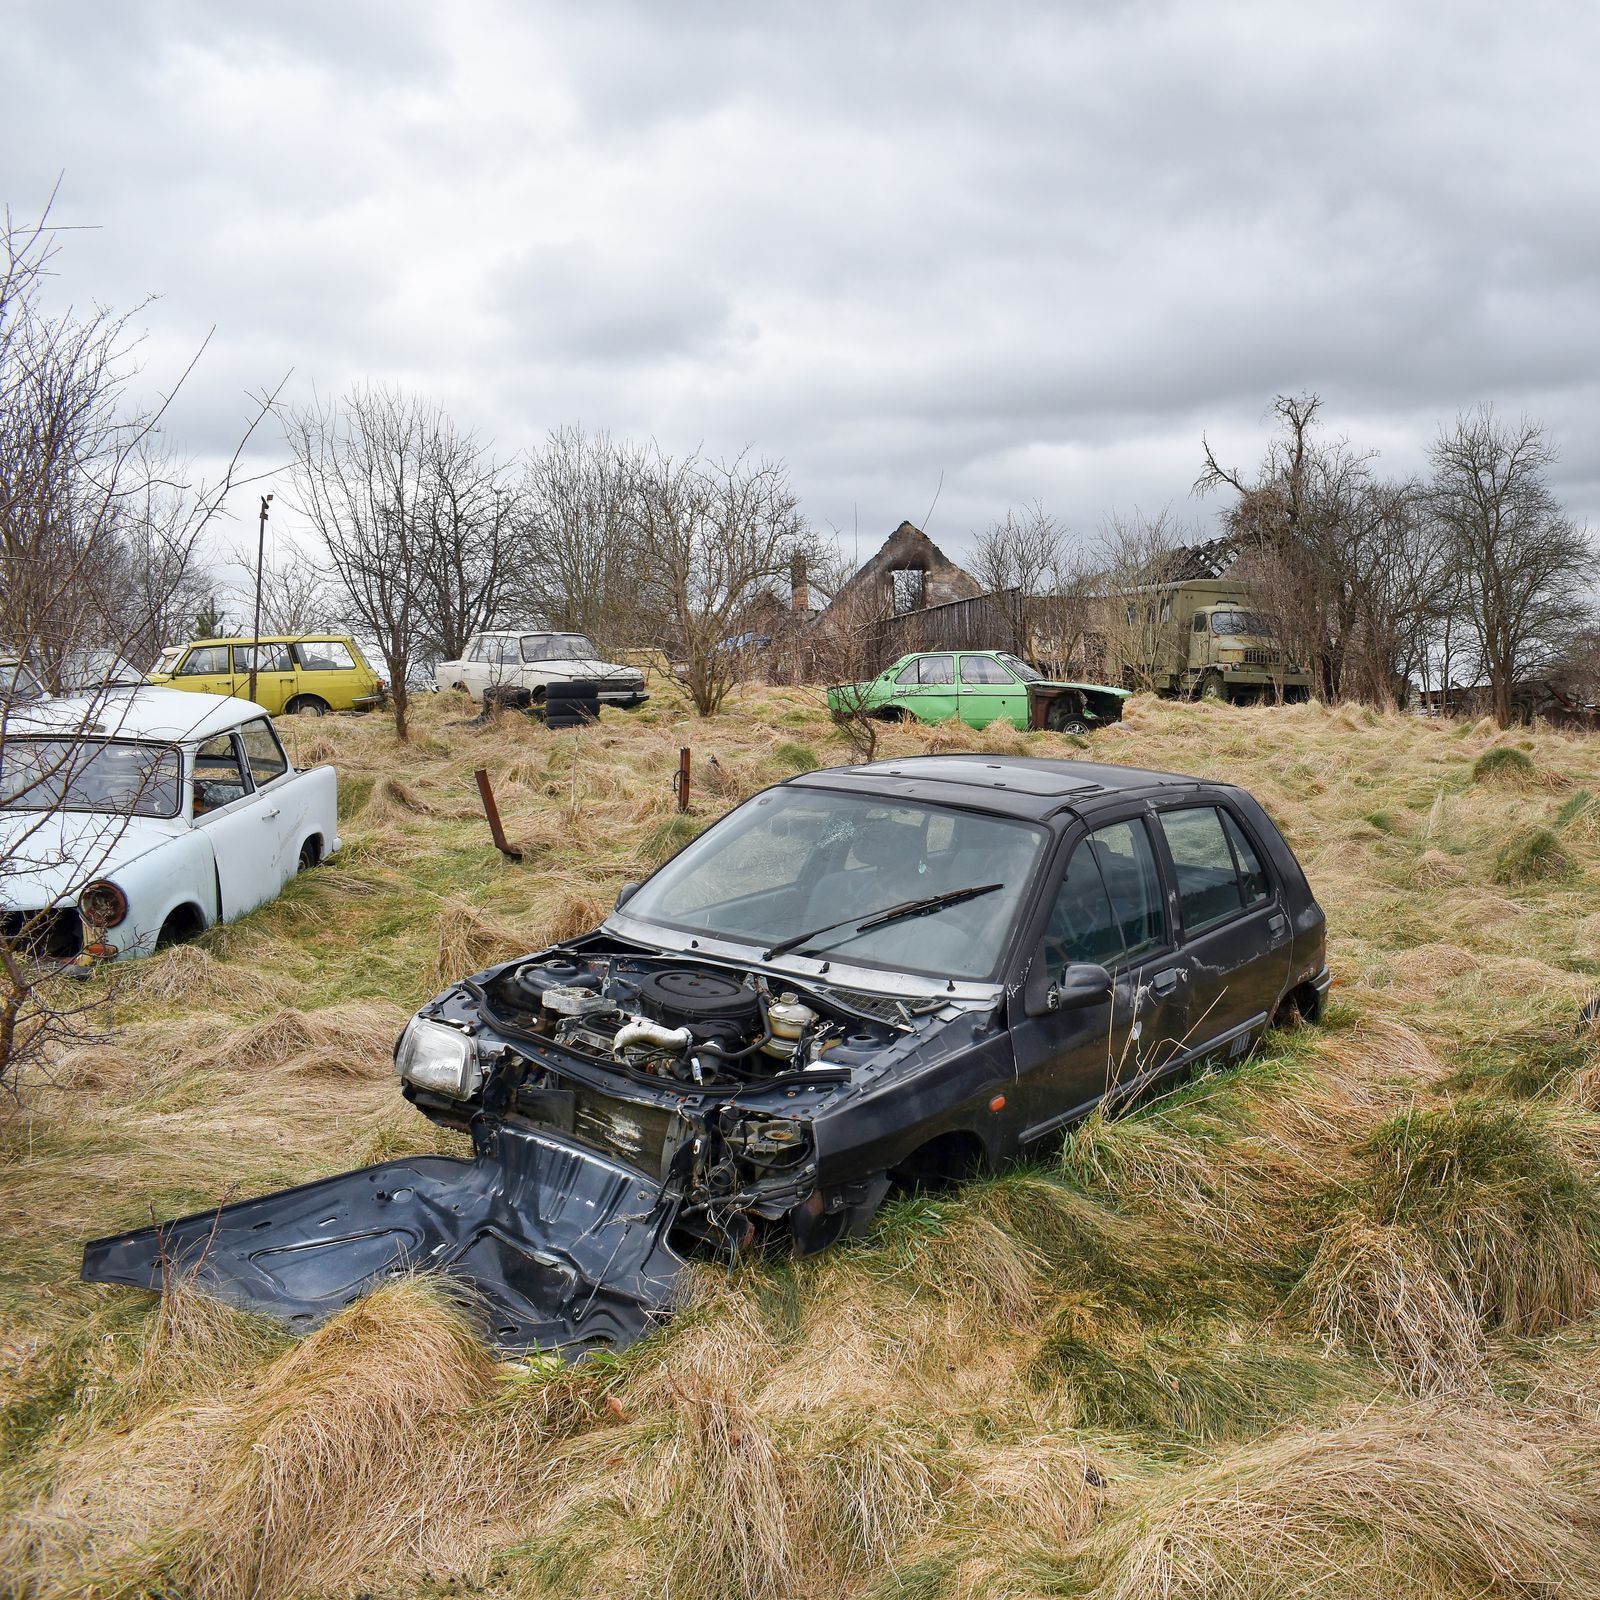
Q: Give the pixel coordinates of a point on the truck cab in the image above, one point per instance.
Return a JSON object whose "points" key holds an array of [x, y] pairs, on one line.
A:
{"points": [[1234, 654]]}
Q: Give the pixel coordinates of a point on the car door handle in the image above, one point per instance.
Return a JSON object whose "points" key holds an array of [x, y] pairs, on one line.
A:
{"points": [[1166, 980], [268, 816], [1277, 924]]}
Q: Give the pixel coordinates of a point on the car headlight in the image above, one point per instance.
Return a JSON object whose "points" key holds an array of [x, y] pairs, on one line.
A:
{"points": [[442, 1059], [103, 904]]}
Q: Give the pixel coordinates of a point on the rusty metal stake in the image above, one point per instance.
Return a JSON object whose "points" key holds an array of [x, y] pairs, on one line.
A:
{"points": [[683, 778], [492, 812]]}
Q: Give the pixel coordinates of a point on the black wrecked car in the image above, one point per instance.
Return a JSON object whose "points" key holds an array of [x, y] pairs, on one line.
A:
{"points": [[865, 976]]}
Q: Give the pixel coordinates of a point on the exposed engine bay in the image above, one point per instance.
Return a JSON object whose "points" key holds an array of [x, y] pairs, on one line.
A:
{"points": [[689, 1022]]}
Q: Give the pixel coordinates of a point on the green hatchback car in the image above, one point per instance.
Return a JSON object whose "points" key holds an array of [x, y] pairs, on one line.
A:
{"points": [[979, 687]]}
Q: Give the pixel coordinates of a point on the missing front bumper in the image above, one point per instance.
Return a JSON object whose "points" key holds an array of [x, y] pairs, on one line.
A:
{"points": [[564, 1249]]}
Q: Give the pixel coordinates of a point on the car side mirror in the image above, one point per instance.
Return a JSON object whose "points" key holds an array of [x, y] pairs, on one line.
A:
{"points": [[1081, 984], [626, 893]]}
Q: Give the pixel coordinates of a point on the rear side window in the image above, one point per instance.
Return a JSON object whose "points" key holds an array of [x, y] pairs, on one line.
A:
{"points": [[263, 752], [1252, 873], [983, 669], [324, 655], [272, 658], [1219, 871], [930, 669]]}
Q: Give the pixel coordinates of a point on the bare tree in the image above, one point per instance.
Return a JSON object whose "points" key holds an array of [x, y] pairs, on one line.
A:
{"points": [[466, 519], [1048, 579], [296, 594], [1130, 624], [1524, 567], [97, 535], [583, 568], [710, 535], [362, 473]]}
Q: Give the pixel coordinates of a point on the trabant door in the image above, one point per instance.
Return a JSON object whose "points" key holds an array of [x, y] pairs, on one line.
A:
{"points": [[239, 824]]}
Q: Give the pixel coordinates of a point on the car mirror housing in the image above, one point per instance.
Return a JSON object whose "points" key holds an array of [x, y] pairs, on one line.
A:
{"points": [[626, 893], [1081, 984]]}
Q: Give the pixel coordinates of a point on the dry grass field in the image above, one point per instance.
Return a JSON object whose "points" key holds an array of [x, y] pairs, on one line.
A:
{"points": [[1320, 1327]]}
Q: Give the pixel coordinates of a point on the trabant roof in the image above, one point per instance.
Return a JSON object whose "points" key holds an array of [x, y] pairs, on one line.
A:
{"points": [[1020, 786], [164, 716]]}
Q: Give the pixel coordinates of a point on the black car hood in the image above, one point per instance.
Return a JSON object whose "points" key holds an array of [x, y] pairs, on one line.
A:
{"points": [[565, 1249]]}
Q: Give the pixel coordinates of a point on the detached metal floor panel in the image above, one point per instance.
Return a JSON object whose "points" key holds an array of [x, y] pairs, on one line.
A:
{"points": [[566, 1249]]}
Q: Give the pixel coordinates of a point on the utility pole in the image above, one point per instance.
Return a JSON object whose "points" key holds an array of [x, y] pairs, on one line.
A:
{"points": [[255, 636]]}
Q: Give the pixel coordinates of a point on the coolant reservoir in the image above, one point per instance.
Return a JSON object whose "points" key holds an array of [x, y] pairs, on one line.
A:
{"points": [[788, 1019]]}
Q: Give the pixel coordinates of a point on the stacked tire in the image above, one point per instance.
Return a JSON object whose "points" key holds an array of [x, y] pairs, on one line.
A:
{"points": [[571, 705]]}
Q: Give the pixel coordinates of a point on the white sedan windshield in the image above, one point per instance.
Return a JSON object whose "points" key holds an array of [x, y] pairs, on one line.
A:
{"points": [[121, 778], [795, 859], [557, 647]]}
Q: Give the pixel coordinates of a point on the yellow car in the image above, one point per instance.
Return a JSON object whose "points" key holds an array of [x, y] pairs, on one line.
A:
{"points": [[314, 673]]}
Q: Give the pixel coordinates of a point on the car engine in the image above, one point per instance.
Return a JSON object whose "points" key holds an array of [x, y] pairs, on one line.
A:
{"points": [[689, 1022]]}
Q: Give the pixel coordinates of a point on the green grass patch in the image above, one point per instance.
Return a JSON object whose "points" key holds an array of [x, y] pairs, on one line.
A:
{"points": [[1504, 764], [1536, 855]]}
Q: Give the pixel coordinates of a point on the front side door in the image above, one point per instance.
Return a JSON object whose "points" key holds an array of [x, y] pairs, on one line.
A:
{"points": [[282, 805], [232, 816], [989, 692], [206, 668], [1108, 909], [1236, 933], [275, 680], [926, 687]]}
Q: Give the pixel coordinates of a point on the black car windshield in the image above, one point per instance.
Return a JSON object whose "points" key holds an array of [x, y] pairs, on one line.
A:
{"points": [[1020, 667], [793, 859], [114, 776], [557, 647], [1252, 622]]}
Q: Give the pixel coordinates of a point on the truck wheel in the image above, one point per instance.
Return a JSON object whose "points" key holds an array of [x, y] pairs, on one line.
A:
{"points": [[308, 705], [1212, 687]]}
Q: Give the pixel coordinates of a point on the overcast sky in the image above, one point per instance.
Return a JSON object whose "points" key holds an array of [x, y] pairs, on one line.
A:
{"points": [[1037, 249]]}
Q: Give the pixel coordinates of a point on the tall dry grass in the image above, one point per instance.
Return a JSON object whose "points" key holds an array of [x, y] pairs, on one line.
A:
{"points": [[1322, 1326]]}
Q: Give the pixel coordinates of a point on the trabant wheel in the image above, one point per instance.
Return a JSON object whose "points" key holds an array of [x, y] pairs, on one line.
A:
{"points": [[309, 856], [1212, 687], [308, 705]]}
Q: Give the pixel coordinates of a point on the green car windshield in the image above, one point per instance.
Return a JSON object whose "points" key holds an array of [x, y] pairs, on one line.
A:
{"points": [[1020, 667], [794, 858]]}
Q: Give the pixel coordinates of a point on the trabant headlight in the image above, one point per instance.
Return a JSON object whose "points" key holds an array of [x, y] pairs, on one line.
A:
{"points": [[445, 1060]]}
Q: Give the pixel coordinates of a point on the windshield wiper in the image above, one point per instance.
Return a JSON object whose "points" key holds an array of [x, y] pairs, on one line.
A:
{"points": [[879, 919]]}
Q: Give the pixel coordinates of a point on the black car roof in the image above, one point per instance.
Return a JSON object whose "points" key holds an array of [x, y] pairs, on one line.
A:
{"points": [[1017, 786]]}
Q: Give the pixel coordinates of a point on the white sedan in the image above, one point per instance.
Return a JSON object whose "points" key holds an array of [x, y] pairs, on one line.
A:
{"points": [[528, 661], [137, 816]]}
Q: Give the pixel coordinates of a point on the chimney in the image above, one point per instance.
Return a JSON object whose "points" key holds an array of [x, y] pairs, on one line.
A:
{"points": [[799, 588]]}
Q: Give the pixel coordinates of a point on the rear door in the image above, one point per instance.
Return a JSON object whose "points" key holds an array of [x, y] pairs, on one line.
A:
{"points": [[1108, 908], [989, 692], [275, 674], [926, 687], [1235, 927]]}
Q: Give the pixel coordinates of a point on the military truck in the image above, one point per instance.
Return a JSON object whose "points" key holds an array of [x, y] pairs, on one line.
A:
{"points": [[1201, 639]]}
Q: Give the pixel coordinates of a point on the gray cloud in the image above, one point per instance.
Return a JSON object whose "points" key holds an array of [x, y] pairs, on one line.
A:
{"points": [[1038, 249]]}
